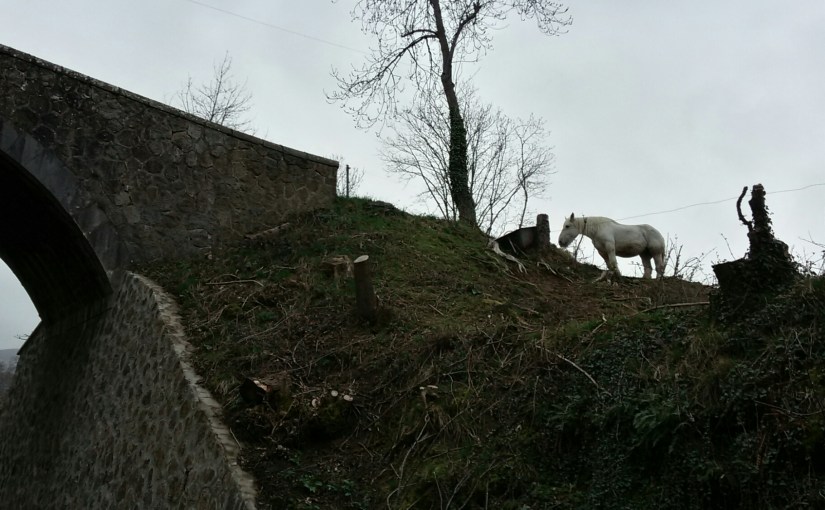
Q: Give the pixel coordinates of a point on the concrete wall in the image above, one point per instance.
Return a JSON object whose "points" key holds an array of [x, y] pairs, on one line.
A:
{"points": [[171, 184], [105, 412]]}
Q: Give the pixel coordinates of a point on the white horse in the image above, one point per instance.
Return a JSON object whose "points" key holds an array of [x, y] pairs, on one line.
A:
{"points": [[612, 238]]}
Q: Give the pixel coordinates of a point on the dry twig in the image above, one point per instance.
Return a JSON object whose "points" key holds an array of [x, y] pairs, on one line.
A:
{"points": [[674, 305], [580, 369], [230, 282]]}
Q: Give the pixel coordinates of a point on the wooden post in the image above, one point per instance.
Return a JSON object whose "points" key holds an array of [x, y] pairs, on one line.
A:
{"points": [[365, 302], [542, 232]]}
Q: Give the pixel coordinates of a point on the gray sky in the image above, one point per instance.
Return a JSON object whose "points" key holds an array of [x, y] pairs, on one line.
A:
{"points": [[651, 105]]}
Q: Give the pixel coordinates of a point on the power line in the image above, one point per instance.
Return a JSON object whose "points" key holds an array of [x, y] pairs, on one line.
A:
{"points": [[330, 43], [795, 189], [276, 27], [719, 202]]}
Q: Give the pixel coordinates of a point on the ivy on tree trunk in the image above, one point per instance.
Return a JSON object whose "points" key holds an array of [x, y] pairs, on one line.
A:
{"points": [[459, 188]]}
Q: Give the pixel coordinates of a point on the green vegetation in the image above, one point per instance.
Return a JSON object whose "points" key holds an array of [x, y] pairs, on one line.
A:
{"points": [[479, 387]]}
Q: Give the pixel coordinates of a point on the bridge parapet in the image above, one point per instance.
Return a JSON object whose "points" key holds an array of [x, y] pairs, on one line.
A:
{"points": [[169, 183]]}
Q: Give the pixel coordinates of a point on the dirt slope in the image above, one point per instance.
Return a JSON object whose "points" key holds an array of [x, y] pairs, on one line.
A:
{"points": [[481, 387]]}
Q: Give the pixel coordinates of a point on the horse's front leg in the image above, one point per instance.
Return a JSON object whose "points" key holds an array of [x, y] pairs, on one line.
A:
{"points": [[609, 258]]}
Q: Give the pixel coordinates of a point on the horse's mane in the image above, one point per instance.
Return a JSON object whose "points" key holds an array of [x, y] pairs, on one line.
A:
{"points": [[590, 224]]}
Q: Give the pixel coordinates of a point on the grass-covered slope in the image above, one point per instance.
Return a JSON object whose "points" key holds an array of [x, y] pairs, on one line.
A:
{"points": [[480, 387]]}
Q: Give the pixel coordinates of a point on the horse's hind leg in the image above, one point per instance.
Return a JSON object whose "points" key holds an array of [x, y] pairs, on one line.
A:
{"points": [[647, 266], [659, 259]]}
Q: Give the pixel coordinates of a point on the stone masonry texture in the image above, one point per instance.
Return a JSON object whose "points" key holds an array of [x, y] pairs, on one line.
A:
{"points": [[170, 183], [105, 412]]}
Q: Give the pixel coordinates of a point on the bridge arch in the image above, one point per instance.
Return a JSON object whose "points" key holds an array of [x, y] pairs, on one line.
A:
{"points": [[58, 243]]}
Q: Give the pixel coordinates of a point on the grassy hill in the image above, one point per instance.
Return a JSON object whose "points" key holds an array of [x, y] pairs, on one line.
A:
{"points": [[481, 387]]}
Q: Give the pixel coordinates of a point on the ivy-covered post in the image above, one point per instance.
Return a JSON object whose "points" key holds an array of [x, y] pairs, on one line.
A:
{"points": [[760, 237], [766, 268]]}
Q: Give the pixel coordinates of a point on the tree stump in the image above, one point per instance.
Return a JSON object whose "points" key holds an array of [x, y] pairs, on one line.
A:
{"points": [[366, 304], [338, 267], [766, 268]]}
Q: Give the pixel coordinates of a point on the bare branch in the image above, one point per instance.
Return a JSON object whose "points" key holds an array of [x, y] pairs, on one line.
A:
{"points": [[508, 159], [220, 100], [421, 42], [739, 210]]}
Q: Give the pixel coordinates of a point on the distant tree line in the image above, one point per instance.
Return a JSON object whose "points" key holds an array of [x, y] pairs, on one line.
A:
{"points": [[6, 376]]}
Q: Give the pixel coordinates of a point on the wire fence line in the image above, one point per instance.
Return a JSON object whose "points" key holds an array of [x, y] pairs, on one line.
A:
{"points": [[718, 202]]}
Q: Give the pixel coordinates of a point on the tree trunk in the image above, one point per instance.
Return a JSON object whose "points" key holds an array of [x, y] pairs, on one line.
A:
{"points": [[459, 187]]}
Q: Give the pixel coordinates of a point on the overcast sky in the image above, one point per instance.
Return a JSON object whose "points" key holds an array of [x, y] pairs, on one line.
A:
{"points": [[652, 106]]}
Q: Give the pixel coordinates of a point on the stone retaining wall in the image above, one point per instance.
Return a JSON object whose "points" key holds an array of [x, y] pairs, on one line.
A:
{"points": [[106, 412]]}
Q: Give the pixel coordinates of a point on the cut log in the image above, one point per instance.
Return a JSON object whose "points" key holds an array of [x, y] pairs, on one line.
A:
{"points": [[338, 267], [497, 250], [253, 391], [518, 241], [274, 390], [268, 233]]}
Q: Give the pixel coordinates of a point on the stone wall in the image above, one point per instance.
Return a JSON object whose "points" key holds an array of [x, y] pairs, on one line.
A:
{"points": [[106, 412], [170, 184]]}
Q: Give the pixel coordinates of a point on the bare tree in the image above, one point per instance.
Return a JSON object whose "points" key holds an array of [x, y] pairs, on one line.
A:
{"points": [[221, 100], [425, 42], [686, 268], [811, 264], [533, 160], [349, 178], [508, 160]]}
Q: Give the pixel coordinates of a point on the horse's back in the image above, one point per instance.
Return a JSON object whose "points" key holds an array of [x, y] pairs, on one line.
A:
{"points": [[624, 240], [632, 240]]}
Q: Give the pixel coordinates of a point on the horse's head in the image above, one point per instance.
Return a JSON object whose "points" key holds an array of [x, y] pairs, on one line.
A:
{"points": [[569, 231]]}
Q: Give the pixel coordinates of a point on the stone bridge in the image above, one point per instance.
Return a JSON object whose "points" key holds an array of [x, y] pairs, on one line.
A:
{"points": [[105, 411]]}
